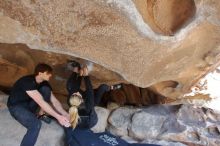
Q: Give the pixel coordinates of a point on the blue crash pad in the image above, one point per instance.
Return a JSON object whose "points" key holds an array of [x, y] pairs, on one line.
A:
{"points": [[85, 137]]}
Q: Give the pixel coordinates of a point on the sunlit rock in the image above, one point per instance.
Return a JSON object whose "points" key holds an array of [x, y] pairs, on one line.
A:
{"points": [[119, 121], [166, 16], [101, 125], [162, 124], [114, 35]]}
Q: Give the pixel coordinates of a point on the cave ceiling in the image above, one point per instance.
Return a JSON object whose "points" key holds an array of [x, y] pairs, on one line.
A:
{"points": [[164, 44]]}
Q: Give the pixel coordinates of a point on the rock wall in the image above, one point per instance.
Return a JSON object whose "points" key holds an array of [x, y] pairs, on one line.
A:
{"points": [[160, 124], [166, 16], [129, 94], [17, 60], [120, 36]]}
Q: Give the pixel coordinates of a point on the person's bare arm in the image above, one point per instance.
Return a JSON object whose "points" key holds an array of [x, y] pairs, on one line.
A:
{"points": [[58, 106], [36, 96]]}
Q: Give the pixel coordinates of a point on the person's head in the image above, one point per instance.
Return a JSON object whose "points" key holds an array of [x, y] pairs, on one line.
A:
{"points": [[44, 71], [74, 66], [75, 100]]}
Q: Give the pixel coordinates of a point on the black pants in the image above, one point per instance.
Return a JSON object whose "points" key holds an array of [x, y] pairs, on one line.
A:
{"points": [[88, 116]]}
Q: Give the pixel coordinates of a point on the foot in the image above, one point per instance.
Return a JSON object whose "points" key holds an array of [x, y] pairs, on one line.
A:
{"points": [[115, 87]]}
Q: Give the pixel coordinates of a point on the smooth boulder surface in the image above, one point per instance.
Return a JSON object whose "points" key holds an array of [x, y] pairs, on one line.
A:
{"points": [[101, 125], [184, 124]]}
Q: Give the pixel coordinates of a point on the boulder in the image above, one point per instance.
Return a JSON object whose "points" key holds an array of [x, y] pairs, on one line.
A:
{"points": [[166, 125], [146, 124], [101, 125], [119, 121]]}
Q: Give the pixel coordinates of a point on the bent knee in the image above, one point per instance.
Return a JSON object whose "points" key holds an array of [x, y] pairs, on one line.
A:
{"points": [[45, 89], [104, 87]]}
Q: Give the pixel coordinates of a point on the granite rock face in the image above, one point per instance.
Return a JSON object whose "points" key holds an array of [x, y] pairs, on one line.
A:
{"points": [[163, 124], [102, 123], [164, 44]]}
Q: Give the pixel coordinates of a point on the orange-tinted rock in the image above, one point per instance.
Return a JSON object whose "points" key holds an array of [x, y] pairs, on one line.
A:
{"points": [[133, 95], [18, 60], [150, 97], [10, 72], [166, 16], [129, 94], [117, 96]]}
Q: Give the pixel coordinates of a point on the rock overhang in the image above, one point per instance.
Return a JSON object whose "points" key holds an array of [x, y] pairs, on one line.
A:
{"points": [[113, 35]]}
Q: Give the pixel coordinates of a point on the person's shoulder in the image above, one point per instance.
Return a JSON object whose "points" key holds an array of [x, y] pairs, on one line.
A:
{"points": [[27, 77], [25, 82]]}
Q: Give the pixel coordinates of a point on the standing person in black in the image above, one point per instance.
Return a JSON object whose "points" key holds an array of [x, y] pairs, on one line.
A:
{"points": [[29, 93]]}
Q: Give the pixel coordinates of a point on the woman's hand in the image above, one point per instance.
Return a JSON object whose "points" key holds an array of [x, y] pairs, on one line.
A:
{"points": [[85, 71]]}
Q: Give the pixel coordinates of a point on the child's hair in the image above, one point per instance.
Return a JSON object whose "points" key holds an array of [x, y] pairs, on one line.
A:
{"points": [[75, 101]]}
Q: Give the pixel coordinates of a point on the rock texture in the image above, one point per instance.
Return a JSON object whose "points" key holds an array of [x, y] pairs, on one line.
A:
{"points": [[185, 124], [120, 36], [102, 123], [17, 60], [166, 16], [120, 120], [129, 94]]}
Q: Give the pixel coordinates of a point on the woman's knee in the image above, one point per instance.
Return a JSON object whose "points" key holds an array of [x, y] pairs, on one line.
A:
{"points": [[104, 87], [93, 119], [45, 89]]}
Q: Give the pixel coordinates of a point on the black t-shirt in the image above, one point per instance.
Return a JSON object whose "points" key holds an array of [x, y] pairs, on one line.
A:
{"points": [[73, 83], [18, 95]]}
